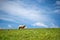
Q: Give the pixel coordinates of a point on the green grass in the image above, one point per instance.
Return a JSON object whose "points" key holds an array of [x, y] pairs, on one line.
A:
{"points": [[30, 34]]}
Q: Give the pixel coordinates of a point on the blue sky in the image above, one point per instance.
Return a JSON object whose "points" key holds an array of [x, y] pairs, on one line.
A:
{"points": [[32, 13]]}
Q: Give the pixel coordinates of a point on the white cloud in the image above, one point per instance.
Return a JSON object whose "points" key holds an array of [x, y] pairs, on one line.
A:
{"points": [[57, 11], [58, 2], [40, 24], [9, 26], [19, 9], [1, 0], [57, 7], [40, 1], [52, 25], [7, 19]]}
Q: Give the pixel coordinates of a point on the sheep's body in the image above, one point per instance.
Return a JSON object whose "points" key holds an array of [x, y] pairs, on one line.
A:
{"points": [[22, 26]]}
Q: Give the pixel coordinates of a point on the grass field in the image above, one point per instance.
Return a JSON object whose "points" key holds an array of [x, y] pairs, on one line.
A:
{"points": [[30, 34]]}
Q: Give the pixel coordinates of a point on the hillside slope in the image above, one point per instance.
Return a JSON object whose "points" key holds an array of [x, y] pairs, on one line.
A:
{"points": [[30, 34]]}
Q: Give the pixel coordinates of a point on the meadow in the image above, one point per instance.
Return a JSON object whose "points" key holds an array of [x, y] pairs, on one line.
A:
{"points": [[30, 34]]}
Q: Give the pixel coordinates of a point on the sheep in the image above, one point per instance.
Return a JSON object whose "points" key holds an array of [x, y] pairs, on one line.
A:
{"points": [[22, 26]]}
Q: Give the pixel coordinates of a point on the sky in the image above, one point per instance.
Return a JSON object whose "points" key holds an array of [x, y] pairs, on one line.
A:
{"points": [[32, 13]]}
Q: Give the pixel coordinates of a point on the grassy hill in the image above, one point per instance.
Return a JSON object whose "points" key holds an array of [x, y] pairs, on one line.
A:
{"points": [[30, 34]]}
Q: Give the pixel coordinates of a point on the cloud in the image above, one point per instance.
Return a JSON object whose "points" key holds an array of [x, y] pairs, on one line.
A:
{"points": [[2, 0], [22, 11], [57, 11], [7, 19], [52, 25], [18, 9], [57, 7], [9, 26], [40, 24], [40, 1], [57, 2]]}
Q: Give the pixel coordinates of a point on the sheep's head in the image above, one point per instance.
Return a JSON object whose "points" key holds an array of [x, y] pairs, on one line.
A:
{"points": [[24, 26]]}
